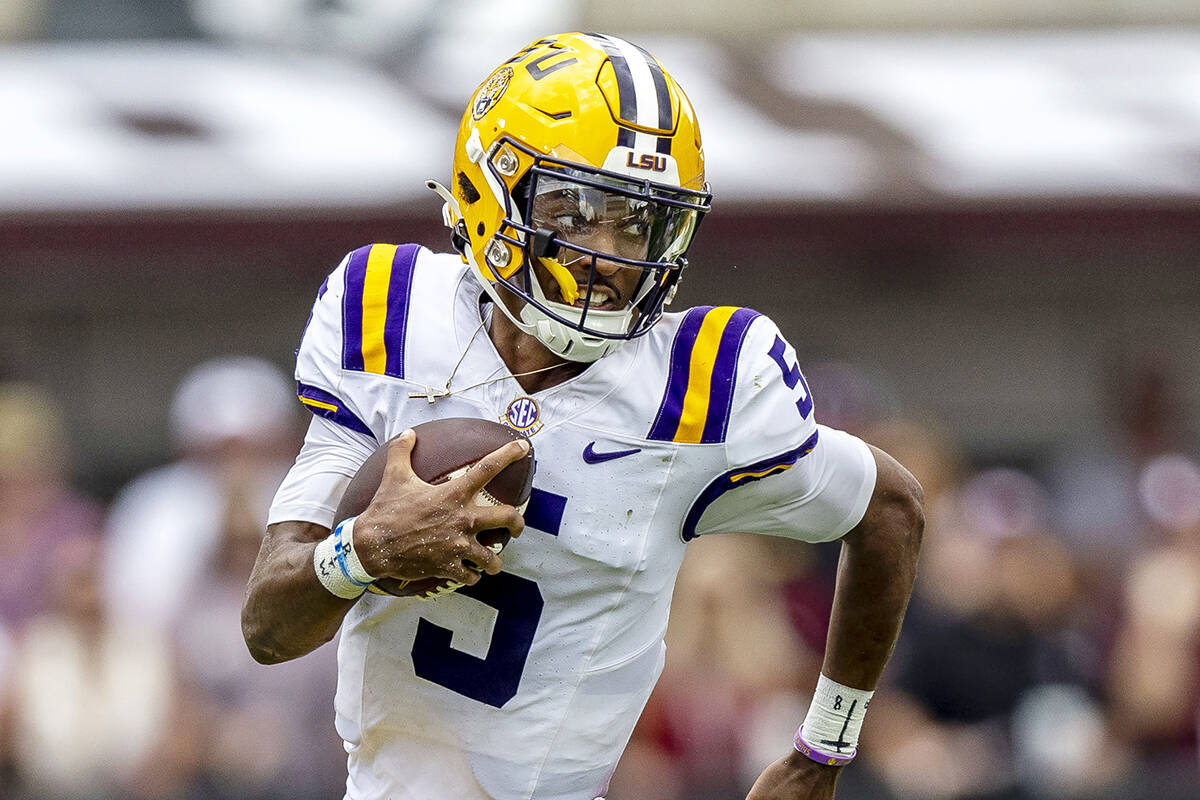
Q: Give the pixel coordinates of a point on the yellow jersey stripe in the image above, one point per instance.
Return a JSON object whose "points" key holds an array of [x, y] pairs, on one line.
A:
{"points": [[308, 401], [743, 475], [375, 307], [700, 370]]}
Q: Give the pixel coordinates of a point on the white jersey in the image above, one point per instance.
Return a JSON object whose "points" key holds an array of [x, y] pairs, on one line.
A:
{"points": [[528, 684]]}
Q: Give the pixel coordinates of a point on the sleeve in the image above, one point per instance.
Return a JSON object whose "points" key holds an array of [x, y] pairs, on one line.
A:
{"points": [[330, 457], [785, 474]]}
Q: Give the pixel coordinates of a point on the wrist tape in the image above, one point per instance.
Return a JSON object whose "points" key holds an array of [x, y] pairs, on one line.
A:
{"points": [[337, 564], [829, 734]]}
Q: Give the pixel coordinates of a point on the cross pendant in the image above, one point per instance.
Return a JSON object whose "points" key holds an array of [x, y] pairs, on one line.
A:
{"points": [[430, 394]]}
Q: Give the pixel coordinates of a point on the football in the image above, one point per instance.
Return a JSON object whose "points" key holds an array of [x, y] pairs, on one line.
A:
{"points": [[444, 449]]}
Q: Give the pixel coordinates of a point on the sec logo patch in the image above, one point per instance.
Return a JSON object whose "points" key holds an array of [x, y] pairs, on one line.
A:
{"points": [[522, 416]]}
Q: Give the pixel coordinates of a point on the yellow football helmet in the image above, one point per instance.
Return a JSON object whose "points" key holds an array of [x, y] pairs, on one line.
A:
{"points": [[598, 122]]}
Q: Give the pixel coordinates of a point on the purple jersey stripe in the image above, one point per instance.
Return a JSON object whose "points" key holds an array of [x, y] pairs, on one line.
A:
{"points": [[666, 422], [399, 293], [726, 482], [720, 393], [331, 407], [352, 310]]}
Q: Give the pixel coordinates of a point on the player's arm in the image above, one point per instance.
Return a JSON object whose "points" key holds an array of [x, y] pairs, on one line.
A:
{"points": [[875, 578], [286, 612], [790, 476], [410, 530]]}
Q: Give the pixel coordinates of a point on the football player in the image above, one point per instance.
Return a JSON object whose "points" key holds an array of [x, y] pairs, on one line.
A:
{"points": [[576, 187]]}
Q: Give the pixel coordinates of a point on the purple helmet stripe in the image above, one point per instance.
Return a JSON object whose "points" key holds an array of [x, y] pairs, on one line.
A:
{"points": [[661, 93], [626, 93]]}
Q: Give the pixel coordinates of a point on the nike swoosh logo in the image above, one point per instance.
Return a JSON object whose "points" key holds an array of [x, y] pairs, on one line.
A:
{"points": [[592, 457]]}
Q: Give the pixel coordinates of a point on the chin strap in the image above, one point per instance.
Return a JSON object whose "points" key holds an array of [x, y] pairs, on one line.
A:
{"points": [[565, 341]]}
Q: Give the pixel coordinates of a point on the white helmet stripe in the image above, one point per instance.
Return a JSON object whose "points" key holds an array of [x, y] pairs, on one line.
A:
{"points": [[662, 94], [646, 111]]}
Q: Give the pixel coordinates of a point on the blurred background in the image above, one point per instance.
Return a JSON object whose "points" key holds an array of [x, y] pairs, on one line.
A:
{"points": [[978, 223]]}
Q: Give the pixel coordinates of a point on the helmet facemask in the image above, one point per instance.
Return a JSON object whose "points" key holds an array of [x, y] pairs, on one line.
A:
{"points": [[556, 215]]}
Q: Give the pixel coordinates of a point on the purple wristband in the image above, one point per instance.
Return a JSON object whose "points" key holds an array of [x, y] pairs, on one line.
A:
{"points": [[828, 759]]}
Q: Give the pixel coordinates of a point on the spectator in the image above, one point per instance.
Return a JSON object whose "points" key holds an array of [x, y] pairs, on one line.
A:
{"points": [[1155, 670], [187, 534], [232, 423], [262, 733], [1094, 481], [1001, 636], [39, 511], [91, 703]]}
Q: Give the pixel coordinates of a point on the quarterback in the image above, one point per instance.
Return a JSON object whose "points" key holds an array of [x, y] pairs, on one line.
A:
{"points": [[576, 187]]}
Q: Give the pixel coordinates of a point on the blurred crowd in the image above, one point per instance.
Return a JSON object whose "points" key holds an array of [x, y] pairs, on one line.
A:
{"points": [[1052, 649], [122, 668]]}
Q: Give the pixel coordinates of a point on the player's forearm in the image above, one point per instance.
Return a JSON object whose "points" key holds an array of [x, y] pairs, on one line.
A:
{"points": [[875, 578], [287, 612]]}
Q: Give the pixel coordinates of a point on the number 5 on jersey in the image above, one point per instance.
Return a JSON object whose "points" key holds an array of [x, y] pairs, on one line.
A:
{"points": [[792, 375]]}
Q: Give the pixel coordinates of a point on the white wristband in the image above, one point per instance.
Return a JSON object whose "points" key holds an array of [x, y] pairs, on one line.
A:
{"points": [[337, 565], [835, 718], [348, 553]]}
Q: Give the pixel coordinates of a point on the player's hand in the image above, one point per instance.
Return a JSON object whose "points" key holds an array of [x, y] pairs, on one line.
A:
{"points": [[413, 530], [795, 777]]}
